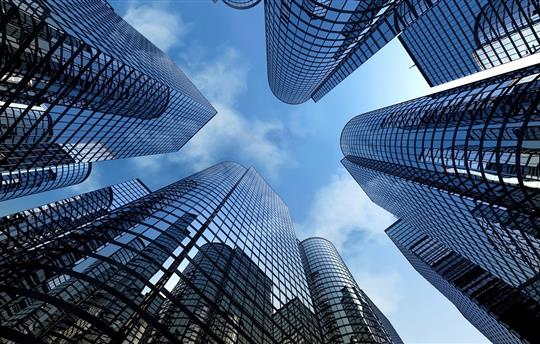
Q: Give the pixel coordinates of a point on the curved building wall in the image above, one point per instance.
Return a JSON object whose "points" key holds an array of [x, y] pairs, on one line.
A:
{"points": [[240, 4], [462, 166], [479, 141], [23, 182], [346, 315], [307, 39]]}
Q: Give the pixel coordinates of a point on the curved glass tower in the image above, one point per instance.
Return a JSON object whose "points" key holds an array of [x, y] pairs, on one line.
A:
{"points": [[240, 4], [79, 85], [462, 167], [308, 41], [345, 313]]}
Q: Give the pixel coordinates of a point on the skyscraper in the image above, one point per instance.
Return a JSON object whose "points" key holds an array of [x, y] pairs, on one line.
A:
{"points": [[461, 166], [503, 313], [79, 85], [212, 258], [313, 45], [456, 38], [345, 313], [240, 4]]}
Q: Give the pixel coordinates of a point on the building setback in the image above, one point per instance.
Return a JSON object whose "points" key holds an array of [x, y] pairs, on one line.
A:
{"points": [[461, 166], [79, 85], [212, 258]]}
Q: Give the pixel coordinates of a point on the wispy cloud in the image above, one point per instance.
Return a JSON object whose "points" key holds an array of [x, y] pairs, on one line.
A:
{"points": [[341, 209], [381, 288], [230, 135], [221, 80], [163, 28], [93, 182]]}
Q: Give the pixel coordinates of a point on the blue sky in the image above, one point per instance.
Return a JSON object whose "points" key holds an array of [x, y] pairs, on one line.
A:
{"points": [[295, 147]]}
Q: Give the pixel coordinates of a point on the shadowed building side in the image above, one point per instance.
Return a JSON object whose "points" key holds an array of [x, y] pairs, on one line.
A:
{"points": [[504, 314]]}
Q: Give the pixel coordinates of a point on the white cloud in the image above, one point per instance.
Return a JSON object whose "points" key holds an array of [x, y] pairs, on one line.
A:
{"points": [[229, 132], [230, 135], [93, 182], [161, 27], [341, 209], [224, 80], [381, 288]]}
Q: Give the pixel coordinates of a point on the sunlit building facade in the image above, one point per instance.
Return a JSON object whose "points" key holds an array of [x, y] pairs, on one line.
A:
{"points": [[462, 166], [212, 258], [503, 313], [345, 312], [78, 84]]}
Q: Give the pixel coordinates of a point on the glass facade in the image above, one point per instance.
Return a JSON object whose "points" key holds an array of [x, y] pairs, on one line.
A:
{"points": [[456, 38], [345, 313], [240, 4], [314, 44], [462, 166], [504, 314], [212, 258], [78, 85], [22, 232]]}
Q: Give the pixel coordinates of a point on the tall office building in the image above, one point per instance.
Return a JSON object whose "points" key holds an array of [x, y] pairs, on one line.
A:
{"points": [[212, 258], [462, 166], [78, 84], [456, 38], [345, 313], [503, 313], [240, 4], [313, 45]]}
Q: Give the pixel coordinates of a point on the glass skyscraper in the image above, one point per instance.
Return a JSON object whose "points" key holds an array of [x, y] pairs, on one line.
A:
{"points": [[313, 45], [503, 313], [212, 258], [240, 4], [456, 38], [461, 166], [345, 312], [79, 85]]}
